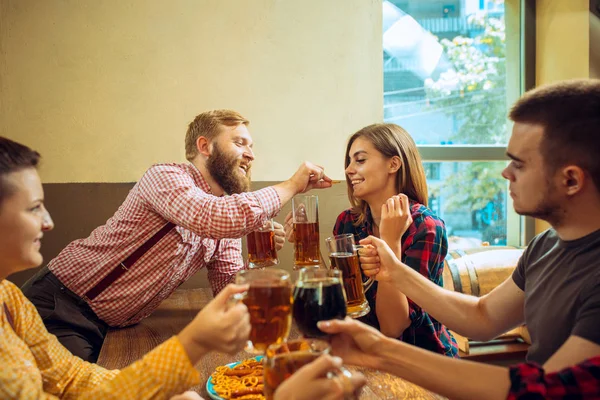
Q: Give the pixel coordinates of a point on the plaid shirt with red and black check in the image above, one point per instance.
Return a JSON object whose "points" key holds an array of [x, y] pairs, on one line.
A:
{"points": [[207, 234], [424, 247], [582, 381]]}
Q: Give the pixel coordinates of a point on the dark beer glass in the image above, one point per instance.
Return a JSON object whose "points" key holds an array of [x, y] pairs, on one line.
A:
{"points": [[343, 257], [261, 246], [269, 302], [318, 296], [305, 214]]}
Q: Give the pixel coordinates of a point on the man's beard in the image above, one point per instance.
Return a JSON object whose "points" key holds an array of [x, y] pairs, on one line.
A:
{"points": [[549, 209], [224, 170]]}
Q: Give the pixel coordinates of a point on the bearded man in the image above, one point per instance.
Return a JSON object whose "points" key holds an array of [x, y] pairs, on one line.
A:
{"points": [[177, 219]]}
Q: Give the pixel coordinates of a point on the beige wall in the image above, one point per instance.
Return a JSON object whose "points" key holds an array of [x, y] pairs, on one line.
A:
{"points": [[105, 88], [562, 48]]}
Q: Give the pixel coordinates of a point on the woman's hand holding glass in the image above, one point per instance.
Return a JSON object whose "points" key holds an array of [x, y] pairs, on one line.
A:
{"points": [[221, 326], [312, 382]]}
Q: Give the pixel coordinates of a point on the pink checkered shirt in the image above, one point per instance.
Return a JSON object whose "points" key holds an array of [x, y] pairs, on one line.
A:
{"points": [[207, 234]]}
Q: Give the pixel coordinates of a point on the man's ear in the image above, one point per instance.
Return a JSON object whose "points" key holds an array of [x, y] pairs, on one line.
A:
{"points": [[203, 146], [395, 164], [573, 179]]}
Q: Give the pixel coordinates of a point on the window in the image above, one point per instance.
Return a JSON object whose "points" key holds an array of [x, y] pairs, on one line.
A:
{"points": [[450, 74]]}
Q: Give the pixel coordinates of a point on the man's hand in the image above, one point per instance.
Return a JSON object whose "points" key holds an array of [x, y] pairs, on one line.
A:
{"points": [[279, 235], [310, 382], [220, 326], [310, 176], [356, 343], [395, 220], [288, 226], [378, 260]]}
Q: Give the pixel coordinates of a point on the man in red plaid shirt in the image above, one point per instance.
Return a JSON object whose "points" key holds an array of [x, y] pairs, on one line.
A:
{"points": [[177, 219]]}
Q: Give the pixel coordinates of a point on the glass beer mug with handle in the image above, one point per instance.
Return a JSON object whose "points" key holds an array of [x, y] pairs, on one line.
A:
{"points": [[305, 217], [318, 296], [282, 360], [261, 246], [343, 256], [269, 302]]}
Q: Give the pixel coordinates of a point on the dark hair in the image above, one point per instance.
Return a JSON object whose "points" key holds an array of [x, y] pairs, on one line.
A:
{"points": [[14, 157], [569, 113], [208, 124], [391, 140]]}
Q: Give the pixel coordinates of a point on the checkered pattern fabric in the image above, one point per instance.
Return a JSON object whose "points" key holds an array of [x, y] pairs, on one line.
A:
{"points": [[424, 247], [582, 381], [36, 366], [207, 235]]}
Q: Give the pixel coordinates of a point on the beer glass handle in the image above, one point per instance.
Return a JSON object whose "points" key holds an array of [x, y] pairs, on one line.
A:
{"points": [[236, 299], [369, 282]]}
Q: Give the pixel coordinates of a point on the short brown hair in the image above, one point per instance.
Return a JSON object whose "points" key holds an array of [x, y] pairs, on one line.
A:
{"points": [[391, 140], [208, 124], [569, 113], [14, 157]]}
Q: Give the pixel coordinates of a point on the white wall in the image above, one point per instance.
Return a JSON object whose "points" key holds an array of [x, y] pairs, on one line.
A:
{"points": [[105, 88]]}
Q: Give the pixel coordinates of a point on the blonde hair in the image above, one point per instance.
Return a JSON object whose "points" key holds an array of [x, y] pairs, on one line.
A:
{"points": [[208, 124], [391, 140]]}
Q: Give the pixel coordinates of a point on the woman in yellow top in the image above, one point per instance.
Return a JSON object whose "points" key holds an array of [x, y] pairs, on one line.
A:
{"points": [[34, 364]]}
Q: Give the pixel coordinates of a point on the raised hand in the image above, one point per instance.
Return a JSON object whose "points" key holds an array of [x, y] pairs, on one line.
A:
{"points": [[395, 220], [310, 382], [310, 176]]}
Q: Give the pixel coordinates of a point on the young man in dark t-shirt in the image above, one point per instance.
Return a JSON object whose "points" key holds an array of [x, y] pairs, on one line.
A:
{"points": [[554, 175]]}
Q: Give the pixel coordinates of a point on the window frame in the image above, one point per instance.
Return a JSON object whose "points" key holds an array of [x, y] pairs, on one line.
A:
{"points": [[520, 17]]}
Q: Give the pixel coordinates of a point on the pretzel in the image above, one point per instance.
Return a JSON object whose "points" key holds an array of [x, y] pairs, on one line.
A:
{"points": [[242, 382]]}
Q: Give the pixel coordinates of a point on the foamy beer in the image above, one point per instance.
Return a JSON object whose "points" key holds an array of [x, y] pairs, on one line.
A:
{"points": [[269, 302], [261, 246], [305, 217], [343, 256], [283, 360]]}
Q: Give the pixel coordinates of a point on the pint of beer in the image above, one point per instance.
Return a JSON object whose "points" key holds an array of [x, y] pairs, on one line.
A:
{"points": [[305, 214], [318, 296], [269, 302], [343, 256], [261, 246], [282, 360]]}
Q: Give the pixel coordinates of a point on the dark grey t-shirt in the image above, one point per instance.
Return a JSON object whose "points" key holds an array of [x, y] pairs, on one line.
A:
{"points": [[561, 281]]}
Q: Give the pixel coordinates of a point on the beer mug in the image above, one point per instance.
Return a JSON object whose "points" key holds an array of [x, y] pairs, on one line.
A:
{"points": [[343, 256], [269, 302], [261, 246], [305, 217], [318, 296], [282, 360]]}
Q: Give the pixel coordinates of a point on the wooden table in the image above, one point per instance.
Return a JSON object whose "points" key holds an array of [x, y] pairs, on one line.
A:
{"points": [[124, 346]]}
